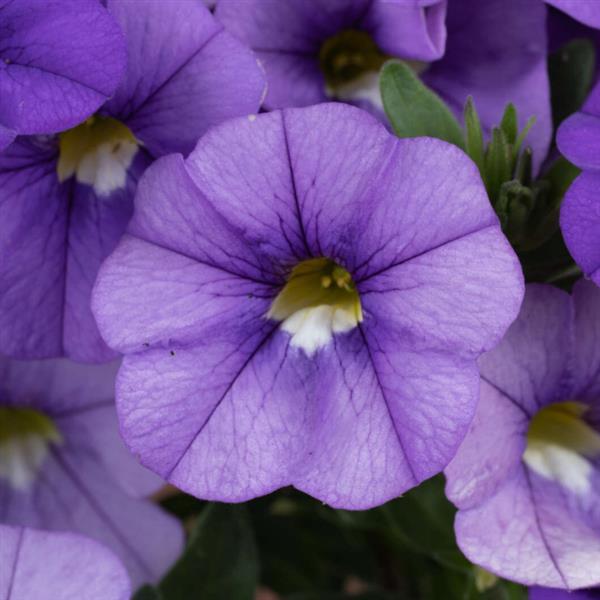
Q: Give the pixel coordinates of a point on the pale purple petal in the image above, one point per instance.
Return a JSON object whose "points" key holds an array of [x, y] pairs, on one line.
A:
{"points": [[60, 61], [7, 136], [288, 37], [585, 11], [496, 52], [389, 417], [33, 217], [490, 453], [85, 393], [578, 138], [184, 300], [410, 30], [586, 364], [36, 565], [184, 74], [96, 224], [580, 223], [529, 365], [540, 593], [534, 532], [88, 480]]}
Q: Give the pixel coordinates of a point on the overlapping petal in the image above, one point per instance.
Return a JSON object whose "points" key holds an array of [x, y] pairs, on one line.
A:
{"points": [[88, 482], [34, 221], [60, 62], [496, 53], [288, 37], [535, 532], [38, 564], [585, 11], [580, 223], [184, 74]]}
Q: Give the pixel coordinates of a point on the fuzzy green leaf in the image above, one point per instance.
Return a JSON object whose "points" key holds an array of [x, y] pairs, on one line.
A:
{"points": [[415, 110]]}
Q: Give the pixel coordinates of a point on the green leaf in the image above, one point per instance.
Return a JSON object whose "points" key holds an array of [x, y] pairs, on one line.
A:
{"points": [[509, 123], [147, 592], [571, 69], [497, 164], [305, 547], [413, 109], [220, 560], [473, 135]]}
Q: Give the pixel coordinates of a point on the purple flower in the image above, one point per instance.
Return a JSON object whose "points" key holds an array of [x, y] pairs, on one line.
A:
{"points": [[584, 11], [59, 61], [538, 593], [313, 50], [526, 479], [578, 139], [64, 467], [302, 302], [63, 566], [497, 52], [65, 202]]}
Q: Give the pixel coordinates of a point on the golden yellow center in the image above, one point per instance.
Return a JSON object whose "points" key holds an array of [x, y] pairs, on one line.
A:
{"points": [[560, 444], [319, 300], [98, 152], [317, 282], [562, 424]]}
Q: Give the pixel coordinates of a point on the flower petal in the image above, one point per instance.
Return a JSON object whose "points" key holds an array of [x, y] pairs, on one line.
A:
{"points": [[84, 396], [580, 223], [388, 418], [496, 52], [491, 451], [223, 420], [59, 565], [183, 300], [578, 138], [96, 224], [33, 230], [73, 493], [585, 11], [528, 367], [444, 299], [586, 364], [184, 74], [415, 31], [61, 61], [535, 533]]}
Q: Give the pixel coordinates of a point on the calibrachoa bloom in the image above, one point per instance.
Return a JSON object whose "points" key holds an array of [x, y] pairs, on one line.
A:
{"points": [[39, 565], [526, 479], [65, 201], [59, 61], [496, 52], [64, 467], [538, 593], [579, 140], [301, 302], [315, 49]]}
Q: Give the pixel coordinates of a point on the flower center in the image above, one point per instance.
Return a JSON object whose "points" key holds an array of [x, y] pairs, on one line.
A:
{"points": [[25, 436], [560, 445], [318, 300], [98, 152], [350, 62]]}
